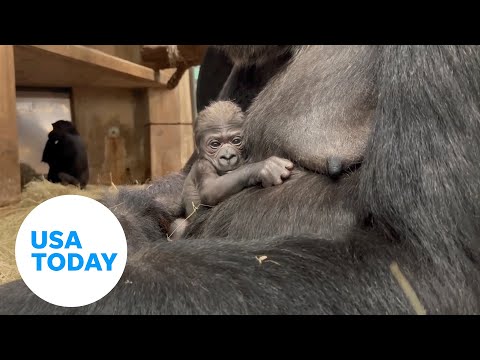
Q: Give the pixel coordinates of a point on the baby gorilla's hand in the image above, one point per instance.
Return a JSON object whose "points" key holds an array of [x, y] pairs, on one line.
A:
{"points": [[274, 170]]}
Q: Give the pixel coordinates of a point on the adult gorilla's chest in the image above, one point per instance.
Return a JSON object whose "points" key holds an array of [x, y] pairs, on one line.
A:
{"points": [[319, 107]]}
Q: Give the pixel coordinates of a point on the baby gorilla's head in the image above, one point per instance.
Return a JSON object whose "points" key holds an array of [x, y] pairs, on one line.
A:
{"points": [[219, 135]]}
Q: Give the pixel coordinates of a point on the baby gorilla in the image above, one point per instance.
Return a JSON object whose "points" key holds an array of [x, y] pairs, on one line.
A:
{"points": [[220, 170]]}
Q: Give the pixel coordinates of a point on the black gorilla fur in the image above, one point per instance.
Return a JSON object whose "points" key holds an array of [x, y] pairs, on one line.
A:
{"points": [[414, 200], [66, 155]]}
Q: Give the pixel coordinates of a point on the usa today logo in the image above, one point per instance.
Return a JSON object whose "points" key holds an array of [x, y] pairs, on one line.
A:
{"points": [[71, 251]]}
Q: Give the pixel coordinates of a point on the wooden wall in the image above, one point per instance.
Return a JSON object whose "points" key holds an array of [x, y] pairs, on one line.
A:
{"points": [[98, 113], [10, 176], [157, 124], [156, 134]]}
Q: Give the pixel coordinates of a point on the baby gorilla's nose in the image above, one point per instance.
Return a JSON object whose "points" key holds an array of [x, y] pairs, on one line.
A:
{"points": [[228, 157], [228, 160]]}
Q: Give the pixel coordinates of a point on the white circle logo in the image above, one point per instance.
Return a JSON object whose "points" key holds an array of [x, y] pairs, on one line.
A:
{"points": [[71, 250]]}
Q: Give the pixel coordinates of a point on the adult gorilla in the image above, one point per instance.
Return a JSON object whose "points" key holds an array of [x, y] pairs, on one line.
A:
{"points": [[414, 201]]}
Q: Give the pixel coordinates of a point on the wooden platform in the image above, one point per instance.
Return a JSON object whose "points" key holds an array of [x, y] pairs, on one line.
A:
{"points": [[77, 65]]}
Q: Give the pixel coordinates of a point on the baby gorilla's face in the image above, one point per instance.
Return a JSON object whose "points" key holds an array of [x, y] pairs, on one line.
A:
{"points": [[223, 148], [219, 135]]}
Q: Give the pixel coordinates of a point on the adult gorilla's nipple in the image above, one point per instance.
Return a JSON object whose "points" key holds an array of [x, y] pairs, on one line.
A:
{"points": [[334, 166]]}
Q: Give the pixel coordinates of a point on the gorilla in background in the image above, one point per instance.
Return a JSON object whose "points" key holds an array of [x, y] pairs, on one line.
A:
{"points": [[321, 245], [66, 155]]}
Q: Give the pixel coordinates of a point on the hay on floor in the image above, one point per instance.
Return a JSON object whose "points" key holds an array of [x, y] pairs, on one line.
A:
{"points": [[11, 217]]}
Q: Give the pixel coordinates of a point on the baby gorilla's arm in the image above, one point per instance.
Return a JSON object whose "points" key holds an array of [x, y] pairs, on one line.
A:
{"points": [[213, 188]]}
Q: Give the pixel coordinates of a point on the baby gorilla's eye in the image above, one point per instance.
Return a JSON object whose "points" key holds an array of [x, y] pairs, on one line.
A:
{"points": [[214, 144], [236, 141]]}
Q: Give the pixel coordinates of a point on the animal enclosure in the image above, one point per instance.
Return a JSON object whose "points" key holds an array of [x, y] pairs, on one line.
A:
{"points": [[135, 127]]}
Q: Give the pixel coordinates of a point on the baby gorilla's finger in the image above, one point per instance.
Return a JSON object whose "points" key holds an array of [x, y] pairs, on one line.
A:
{"points": [[285, 175], [284, 163], [288, 164], [277, 181]]}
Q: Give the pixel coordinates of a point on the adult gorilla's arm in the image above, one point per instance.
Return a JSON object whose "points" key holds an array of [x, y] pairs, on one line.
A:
{"points": [[292, 275], [213, 73]]}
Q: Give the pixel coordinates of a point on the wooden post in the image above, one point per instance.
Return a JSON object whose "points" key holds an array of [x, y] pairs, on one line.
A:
{"points": [[9, 164], [170, 128]]}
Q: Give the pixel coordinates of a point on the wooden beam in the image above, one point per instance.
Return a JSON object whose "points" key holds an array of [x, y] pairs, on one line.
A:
{"points": [[10, 177], [126, 52], [156, 56], [98, 58], [169, 56], [77, 65], [180, 57]]}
